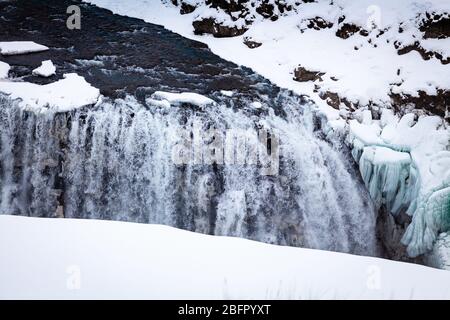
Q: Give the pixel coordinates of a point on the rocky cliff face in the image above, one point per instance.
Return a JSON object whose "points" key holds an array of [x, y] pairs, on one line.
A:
{"points": [[225, 15]]}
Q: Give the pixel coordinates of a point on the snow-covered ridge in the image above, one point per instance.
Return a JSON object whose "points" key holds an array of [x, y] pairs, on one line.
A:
{"points": [[88, 259]]}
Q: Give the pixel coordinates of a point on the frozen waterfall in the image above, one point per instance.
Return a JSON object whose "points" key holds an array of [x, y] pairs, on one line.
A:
{"points": [[114, 161]]}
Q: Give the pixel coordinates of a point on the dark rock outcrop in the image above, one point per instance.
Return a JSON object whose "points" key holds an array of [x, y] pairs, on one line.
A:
{"points": [[318, 23], [425, 54], [211, 26], [185, 8], [348, 29], [390, 232], [436, 104], [303, 75], [436, 27]]}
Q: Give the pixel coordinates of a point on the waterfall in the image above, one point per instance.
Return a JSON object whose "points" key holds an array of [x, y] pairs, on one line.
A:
{"points": [[115, 161]]}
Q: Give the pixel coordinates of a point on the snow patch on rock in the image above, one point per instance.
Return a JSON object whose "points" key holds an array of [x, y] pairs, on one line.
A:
{"points": [[64, 95], [20, 47], [46, 69], [170, 98], [4, 70]]}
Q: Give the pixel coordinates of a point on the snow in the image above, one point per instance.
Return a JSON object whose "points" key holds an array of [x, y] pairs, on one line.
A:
{"points": [[227, 93], [46, 69], [4, 69], [20, 47], [64, 95], [180, 98], [89, 259]]}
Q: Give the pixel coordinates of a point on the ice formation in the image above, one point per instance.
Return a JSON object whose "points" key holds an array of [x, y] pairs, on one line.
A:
{"points": [[439, 257], [389, 177], [406, 167]]}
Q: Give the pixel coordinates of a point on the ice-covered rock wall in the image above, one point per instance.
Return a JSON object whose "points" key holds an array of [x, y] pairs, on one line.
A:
{"points": [[115, 161], [405, 164]]}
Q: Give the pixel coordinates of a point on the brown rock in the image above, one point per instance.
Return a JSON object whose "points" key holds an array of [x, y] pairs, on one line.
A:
{"points": [[209, 25], [426, 55], [318, 23], [348, 29], [303, 75], [186, 8], [436, 27], [436, 104]]}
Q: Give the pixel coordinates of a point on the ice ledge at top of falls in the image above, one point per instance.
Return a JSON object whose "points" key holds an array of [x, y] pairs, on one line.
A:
{"points": [[166, 99], [61, 96], [8, 48], [406, 166]]}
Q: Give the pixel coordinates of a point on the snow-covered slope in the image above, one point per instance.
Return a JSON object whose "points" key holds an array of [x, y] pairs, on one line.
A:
{"points": [[63, 258], [361, 66]]}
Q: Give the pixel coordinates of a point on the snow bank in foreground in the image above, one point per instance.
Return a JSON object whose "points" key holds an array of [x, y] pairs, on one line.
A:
{"points": [[46, 69], [4, 69], [64, 95], [63, 258], [20, 47], [406, 166]]}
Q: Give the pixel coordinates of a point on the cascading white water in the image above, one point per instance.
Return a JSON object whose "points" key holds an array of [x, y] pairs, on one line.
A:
{"points": [[114, 161]]}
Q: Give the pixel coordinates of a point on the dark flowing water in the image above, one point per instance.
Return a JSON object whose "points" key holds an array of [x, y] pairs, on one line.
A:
{"points": [[114, 160]]}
